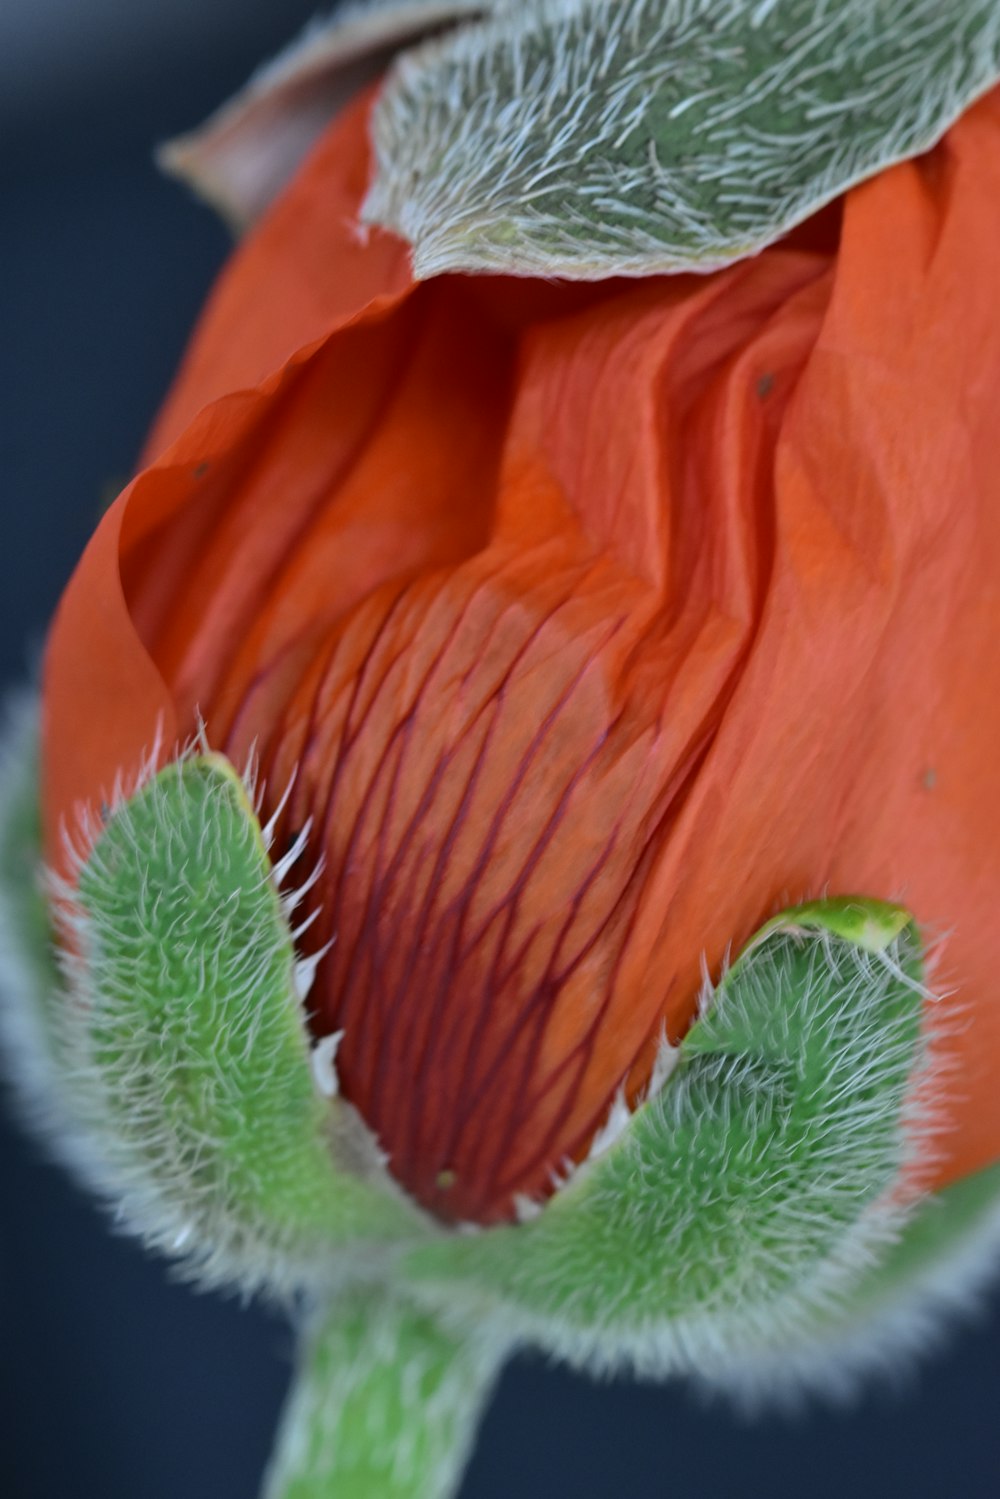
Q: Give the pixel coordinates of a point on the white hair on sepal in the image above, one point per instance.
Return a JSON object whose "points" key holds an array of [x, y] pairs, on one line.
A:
{"points": [[618, 1119], [81, 830], [323, 1057], [304, 972], [292, 899], [562, 1175], [198, 742], [269, 828], [527, 1209], [280, 867], [304, 925], [706, 993], [666, 1059], [621, 1112], [292, 896], [762, 11]]}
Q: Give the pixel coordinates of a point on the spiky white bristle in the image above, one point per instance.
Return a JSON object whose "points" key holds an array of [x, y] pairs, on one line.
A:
{"points": [[324, 1064]]}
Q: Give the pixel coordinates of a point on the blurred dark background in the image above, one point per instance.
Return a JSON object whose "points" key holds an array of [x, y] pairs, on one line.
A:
{"points": [[115, 1382]]}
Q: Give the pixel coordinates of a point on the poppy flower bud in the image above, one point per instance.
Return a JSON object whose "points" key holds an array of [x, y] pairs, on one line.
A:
{"points": [[476, 665]]}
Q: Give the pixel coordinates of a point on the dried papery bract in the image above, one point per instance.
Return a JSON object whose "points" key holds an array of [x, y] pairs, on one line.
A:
{"points": [[241, 158]]}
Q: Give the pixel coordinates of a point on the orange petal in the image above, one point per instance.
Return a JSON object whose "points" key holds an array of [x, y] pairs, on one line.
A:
{"points": [[309, 267], [493, 752], [104, 704], [280, 300], [859, 751]]}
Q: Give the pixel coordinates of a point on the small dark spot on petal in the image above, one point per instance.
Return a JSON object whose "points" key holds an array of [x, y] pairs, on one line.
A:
{"points": [[929, 778], [200, 470], [765, 385]]}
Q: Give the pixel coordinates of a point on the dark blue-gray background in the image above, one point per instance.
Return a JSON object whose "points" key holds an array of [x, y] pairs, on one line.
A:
{"points": [[114, 1382]]}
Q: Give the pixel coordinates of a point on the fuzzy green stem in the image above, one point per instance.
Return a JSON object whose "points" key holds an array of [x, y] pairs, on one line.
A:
{"points": [[384, 1405]]}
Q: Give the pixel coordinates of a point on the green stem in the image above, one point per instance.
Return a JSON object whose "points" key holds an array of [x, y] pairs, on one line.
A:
{"points": [[384, 1406]]}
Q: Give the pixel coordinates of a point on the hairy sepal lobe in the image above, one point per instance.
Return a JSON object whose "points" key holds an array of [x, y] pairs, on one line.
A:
{"points": [[591, 138], [185, 1054], [778, 1162]]}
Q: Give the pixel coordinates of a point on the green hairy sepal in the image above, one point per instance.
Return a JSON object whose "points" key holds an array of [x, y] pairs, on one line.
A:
{"points": [[755, 1188], [181, 1053], [590, 138]]}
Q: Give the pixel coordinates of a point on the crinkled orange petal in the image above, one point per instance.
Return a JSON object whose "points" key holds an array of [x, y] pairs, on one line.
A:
{"points": [[104, 704], [491, 753], [593, 626], [861, 749], [283, 294], [310, 266]]}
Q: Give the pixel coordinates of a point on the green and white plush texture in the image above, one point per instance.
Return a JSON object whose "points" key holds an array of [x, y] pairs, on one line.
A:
{"points": [[937, 1271], [749, 1194], [385, 1405], [588, 138], [185, 1051], [745, 1224]]}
